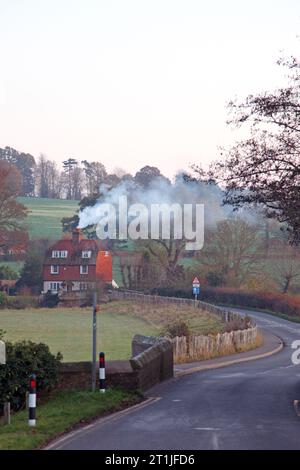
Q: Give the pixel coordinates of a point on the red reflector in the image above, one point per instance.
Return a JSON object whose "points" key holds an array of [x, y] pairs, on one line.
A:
{"points": [[32, 384]]}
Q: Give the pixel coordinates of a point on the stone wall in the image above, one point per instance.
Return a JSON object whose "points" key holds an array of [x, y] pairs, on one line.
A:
{"points": [[153, 359], [78, 375], [151, 363]]}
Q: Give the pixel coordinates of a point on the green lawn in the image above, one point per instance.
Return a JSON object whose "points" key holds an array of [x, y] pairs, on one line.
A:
{"points": [[44, 218], [57, 415], [69, 330]]}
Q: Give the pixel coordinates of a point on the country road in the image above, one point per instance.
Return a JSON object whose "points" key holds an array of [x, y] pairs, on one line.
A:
{"points": [[242, 406]]}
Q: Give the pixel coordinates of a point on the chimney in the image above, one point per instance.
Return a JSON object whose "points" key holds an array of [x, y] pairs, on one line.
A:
{"points": [[75, 236]]}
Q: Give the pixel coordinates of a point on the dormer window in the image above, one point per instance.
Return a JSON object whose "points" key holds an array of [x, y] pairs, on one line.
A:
{"points": [[59, 254], [86, 254]]}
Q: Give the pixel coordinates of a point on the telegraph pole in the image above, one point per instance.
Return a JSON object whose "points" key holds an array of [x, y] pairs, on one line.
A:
{"points": [[94, 341]]}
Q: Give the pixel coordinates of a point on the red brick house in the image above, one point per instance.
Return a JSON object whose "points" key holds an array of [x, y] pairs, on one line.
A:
{"points": [[75, 264]]}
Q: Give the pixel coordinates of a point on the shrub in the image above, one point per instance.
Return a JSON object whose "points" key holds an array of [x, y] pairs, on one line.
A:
{"points": [[23, 359], [21, 301], [2, 299], [275, 302], [214, 279], [7, 273], [179, 328], [50, 300]]}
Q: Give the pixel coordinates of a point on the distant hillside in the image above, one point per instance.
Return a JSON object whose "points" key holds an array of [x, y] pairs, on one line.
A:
{"points": [[44, 218]]}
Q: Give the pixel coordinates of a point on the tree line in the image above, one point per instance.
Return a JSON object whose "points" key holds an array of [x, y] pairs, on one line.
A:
{"points": [[73, 180]]}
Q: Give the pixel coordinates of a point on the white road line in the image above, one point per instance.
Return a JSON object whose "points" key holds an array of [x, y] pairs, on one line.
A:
{"points": [[208, 429], [215, 442]]}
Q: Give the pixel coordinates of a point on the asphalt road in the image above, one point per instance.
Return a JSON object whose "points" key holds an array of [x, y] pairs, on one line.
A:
{"points": [[242, 406]]}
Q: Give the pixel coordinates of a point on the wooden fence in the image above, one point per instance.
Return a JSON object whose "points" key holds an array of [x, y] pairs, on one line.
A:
{"points": [[200, 347]]}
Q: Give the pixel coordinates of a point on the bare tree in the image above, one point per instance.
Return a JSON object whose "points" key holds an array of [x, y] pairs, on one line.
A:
{"points": [[232, 251], [286, 266], [95, 174], [264, 169], [48, 178]]}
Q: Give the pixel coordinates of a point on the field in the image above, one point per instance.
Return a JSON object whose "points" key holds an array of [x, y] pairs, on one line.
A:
{"points": [[69, 330], [44, 218]]}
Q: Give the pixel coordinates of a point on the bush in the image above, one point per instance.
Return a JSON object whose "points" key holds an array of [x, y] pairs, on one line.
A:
{"points": [[23, 359], [214, 279], [274, 302], [2, 299], [20, 302], [7, 273], [50, 300], [179, 328]]}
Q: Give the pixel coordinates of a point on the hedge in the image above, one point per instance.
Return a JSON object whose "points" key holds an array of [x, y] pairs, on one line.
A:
{"points": [[275, 302], [24, 358]]}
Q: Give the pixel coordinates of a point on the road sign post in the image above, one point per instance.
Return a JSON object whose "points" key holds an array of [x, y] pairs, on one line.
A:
{"points": [[94, 369], [2, 353], [196, 288]]}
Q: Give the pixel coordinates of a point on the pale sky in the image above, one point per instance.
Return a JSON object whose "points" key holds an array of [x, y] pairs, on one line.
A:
{"points": [[135, 82]]}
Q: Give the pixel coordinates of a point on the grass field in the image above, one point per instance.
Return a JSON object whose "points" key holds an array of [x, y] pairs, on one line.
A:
{"points": [[69, 330], [44, 218]]}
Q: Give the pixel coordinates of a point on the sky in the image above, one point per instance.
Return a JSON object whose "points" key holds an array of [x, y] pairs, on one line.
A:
{"points": [[131, 83]]}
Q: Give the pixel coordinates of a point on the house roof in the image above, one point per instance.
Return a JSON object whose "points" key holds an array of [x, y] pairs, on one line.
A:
{"points": [[74, 247]]}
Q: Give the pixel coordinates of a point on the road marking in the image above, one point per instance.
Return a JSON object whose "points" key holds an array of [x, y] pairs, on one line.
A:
{"points": [[276, 368], [230, 376], [208, 429], [176, 400], [215, 442]]}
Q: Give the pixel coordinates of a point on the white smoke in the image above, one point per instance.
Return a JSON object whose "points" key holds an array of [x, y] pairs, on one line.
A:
{"points": [[160, 192]]}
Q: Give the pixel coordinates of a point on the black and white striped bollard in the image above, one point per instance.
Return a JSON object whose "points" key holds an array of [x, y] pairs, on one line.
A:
{"points": [[32, 400], [102, 372]]}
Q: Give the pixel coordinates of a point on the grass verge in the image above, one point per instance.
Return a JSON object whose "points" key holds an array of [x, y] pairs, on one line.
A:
{"points": [[61, 413]]}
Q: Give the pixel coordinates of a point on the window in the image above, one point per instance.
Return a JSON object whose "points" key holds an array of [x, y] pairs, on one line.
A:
{"points": [[86, 254], [84, 269], [54, 269], [59, 254], [55, 286]]}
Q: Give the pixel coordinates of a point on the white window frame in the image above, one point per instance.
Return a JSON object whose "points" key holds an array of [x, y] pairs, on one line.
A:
{"points": [[82, 267], [55, 286], [86, 254], [53, 271], [59, 254]]}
